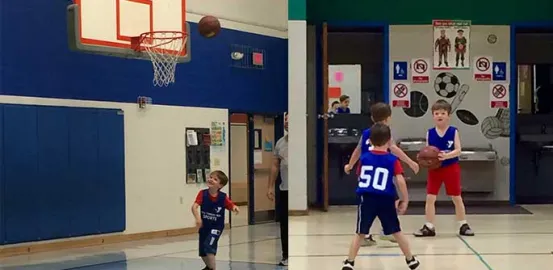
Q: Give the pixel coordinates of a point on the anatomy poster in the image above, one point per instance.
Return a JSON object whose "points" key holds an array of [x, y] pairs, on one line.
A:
{"points": [[451, 44]]}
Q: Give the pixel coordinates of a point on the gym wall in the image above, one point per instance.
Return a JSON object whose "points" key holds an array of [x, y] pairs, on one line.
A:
{"points": [[405, 43], [39, 69]]}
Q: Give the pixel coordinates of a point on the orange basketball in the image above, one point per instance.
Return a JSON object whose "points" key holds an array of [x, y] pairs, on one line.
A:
{"points": [[428, 157], [209, 26]]}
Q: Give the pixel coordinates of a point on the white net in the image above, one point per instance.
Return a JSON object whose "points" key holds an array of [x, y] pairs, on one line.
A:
{"points": [[164, 49]]}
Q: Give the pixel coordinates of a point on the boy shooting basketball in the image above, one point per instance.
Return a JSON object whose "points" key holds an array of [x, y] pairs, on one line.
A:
{"points": [[381, 113], [377, 196], [446, 139], [212, 203]]}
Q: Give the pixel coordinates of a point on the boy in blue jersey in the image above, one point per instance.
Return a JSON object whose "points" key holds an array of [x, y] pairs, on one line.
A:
{"points": [[377, 195], [446, 138], [380, 113], [212, 203], [344, 105]]}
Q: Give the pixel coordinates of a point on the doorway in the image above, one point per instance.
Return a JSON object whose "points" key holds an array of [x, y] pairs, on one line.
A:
{"points": [[263, 141], [363, 45], [533, 120], [239, 162]]}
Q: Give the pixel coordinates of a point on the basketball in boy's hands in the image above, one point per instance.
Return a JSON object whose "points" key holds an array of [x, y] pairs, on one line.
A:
{"points": [[428, 157], [209, 26]]}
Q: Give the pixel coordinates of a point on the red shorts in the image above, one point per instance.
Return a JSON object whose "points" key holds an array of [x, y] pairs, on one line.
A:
{"points": [[449, 175]]}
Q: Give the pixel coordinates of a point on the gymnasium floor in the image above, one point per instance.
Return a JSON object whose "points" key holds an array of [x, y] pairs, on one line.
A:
{"points": [[503, 242], [248, 247]]}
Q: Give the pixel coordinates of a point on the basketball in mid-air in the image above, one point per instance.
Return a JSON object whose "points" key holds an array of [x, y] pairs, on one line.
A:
{"points": [[428, 157], [209, 26]]}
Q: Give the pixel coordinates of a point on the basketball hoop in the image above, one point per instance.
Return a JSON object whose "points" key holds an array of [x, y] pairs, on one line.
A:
{"points": [[164, 49]]}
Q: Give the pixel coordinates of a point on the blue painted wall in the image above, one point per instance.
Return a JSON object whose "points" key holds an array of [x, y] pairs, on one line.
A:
{"points": [[62, 172], [36, 61]]}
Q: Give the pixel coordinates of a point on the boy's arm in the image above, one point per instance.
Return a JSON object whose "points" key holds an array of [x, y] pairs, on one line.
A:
{"points": [[402, 187], [403, 157], [457, 143], [195, 211], [355, 155], [229, 205], [400, 181]]}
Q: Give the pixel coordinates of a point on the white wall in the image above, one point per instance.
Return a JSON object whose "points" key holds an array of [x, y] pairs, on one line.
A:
{"points": [[405, 44], [297, 118], [264, 17], [157, 195]]}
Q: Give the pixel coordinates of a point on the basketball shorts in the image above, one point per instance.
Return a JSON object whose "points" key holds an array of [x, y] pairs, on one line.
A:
{"points": [[208, 243], [449, 175], [372, 206]]}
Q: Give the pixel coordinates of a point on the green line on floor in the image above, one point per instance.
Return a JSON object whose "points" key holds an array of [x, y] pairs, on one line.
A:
{"points": [[475, 253]]}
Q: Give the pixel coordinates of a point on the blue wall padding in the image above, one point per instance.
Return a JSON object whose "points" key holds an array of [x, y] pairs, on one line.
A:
{"points": [[61, 172]]}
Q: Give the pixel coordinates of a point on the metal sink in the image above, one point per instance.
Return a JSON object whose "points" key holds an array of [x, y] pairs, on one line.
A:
{"points": [[478, 154]]}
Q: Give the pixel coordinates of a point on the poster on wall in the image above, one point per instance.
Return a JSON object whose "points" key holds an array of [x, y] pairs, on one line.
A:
{"points": [[217, 133], [345, 80], [400, 95], [451, 44], [499, 95], [482, 69], [420, 71]]}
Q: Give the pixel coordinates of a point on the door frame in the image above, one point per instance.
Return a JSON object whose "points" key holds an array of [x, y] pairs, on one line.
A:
{"points": [[279, 131], [513, 99], [322, 90]]}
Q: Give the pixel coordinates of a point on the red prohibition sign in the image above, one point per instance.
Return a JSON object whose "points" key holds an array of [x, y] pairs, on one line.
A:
{"points": [[499, 91], [400, 90], [482, 64], [420, 66]]}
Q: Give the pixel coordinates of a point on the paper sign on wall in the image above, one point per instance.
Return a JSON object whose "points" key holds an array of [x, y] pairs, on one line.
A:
{"points": [[499, 71], [482, 68], [420, 72], [499, 95], [401, 95], [400, 70]]}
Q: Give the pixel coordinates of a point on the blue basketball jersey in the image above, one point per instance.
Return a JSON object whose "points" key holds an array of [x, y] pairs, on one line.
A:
{"points": [[213, 212], [445, 143], [376, 175], [365, 143]]}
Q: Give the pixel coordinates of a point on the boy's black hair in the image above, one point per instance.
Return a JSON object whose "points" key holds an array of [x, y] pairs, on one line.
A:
{"points": [[380, 134], [380, 111], [441, 104], [334, 103]]}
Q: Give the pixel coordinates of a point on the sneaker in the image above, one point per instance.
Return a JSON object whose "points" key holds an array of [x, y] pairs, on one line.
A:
{"points": [[425, 232], [347, 265], [368, 241], [389, 238], [465, 230], [283, 262], [413, 263]]}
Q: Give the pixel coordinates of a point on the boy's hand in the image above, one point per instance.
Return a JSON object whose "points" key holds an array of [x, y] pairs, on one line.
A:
{"points": [[235, 209], [402, 207], [198, 223], [414, 166], [271, 193], [347, 168], [442, 156]]}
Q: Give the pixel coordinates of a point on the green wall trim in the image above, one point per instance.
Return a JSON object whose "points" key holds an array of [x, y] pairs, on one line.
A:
{"points": [[297, 10], [487, 12]]}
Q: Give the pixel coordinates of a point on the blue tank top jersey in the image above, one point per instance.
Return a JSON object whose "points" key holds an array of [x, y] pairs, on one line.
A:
{"points": [[213, 212], [376, 175], [365, 144], [445, 143]]}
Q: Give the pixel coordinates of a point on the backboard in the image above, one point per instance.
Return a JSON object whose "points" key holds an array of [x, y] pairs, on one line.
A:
{"points": [[107, 26]]}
